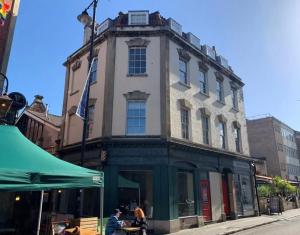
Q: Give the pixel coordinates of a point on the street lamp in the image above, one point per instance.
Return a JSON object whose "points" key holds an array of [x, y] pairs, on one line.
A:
{"points": [[87, 21]]}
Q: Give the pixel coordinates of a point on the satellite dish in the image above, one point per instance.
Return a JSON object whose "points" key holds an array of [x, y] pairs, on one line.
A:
{"points": [[19, 100]]}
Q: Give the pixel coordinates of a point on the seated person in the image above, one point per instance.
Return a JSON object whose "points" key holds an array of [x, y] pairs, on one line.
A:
{"points": [[114, 223], [140, 221]]}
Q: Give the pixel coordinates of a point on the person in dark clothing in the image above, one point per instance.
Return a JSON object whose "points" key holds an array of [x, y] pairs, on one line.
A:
{"points": [[140, 221], [114, 223]]}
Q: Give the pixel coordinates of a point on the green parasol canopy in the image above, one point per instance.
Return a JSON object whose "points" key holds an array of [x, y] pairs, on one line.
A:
{"points": [[26, 167]]}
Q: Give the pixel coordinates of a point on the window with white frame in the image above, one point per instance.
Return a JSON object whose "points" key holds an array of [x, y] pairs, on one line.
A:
{"points": [[185, 123], [205, 129], [237, 138], [219, 90], [222, 134], [137, 60], [138, 17], [203, 82], [90, 120], [136, 117], [234, 98], [93, 74], [183, 71]]}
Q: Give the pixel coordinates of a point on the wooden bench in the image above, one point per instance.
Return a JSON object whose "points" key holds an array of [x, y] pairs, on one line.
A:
{"points": [[90, 224]]}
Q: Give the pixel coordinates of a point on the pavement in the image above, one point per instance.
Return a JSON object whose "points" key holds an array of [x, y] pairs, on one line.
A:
{"points": [[234, 226]]}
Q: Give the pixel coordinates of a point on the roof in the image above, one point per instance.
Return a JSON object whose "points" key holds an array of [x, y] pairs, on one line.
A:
{"points": [[161, 25], [50, 118], [26, 167]]}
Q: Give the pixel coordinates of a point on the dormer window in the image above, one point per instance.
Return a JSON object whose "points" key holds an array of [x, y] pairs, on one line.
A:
{"points": [[138, 17]]}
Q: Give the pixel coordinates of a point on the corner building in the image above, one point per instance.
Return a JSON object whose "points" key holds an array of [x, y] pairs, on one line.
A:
{"points": [[167, 124]]}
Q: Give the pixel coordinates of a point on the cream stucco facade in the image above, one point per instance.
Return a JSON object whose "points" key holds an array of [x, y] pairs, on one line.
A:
{"points": [[172, 165], [199, 100], [150, 83]]}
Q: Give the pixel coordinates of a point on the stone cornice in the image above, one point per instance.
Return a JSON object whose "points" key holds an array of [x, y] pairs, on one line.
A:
{"points": [[138, 42], [136, 95], [183, 54], [205, 112], [222, 118], [185, 103]]}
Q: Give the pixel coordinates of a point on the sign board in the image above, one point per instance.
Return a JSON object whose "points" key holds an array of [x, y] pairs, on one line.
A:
{"points": [[274, 205]]}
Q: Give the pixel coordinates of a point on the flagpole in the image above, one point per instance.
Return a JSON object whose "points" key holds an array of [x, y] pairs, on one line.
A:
{"points": [[86, 114]]}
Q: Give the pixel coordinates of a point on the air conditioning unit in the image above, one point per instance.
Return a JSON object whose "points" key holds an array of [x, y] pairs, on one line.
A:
{"points": [[138, 17], [176, 27], [104, 26], [193, 40], [209, 51], [222, 61]]}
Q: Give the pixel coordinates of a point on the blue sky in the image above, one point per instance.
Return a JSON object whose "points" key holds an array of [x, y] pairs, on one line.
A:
{"points": [[260, 38]]}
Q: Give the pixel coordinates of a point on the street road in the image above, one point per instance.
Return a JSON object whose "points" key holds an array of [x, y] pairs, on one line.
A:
{"points": [[283, 227]]}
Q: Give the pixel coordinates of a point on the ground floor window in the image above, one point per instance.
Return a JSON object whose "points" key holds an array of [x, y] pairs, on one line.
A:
{"points": [[244, 195], [185, 192], [135, 188]]}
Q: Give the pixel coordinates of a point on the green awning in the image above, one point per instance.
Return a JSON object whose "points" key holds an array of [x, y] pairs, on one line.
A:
{"points": [[125, 183], [26, 167]]}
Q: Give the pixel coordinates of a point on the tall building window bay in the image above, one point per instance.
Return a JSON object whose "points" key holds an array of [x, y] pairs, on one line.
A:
{"points": [[136, 117], [222, 135], [185, 123], [90, 120], [183, 71], [137, 61], [234, 98], [203, 82], [93, 74], [237, 137], [205, 129], [219, 91]]}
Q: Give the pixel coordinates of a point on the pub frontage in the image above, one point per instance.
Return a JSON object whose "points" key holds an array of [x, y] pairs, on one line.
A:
{"points": [[179, 185]]}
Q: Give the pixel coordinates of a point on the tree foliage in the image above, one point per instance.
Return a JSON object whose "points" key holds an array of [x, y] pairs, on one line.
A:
{"points": [[278, 186]]}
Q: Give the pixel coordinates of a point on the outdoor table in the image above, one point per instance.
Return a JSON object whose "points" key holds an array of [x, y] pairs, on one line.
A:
{"points": [[130, 230]]}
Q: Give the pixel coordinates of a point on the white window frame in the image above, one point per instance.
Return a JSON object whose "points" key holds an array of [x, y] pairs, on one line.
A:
{"points": [[222, 134], [234, 98], [138, 13], [220, 90], [137, 117], [185, 126], [94, 71], [186, 79], [206, 130], [135, 61], [238, 137], [203, 83], [90, 121]]}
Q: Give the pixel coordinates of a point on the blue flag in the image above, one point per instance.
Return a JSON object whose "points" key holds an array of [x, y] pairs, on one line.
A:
{"points": [[81, 109]]}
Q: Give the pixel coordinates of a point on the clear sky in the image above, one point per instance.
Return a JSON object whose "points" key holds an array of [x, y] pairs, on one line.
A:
{"points": [[260, 38]]}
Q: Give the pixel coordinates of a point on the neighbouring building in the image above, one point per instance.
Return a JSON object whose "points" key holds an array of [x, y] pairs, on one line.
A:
{"points": [[167, 124], [273, 139], [43, 129], [39, 126], [6, 36]]}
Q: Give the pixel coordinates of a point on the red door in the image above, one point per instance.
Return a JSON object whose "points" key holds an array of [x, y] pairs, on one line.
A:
{"points": [[225, 196], [205, 194]]}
